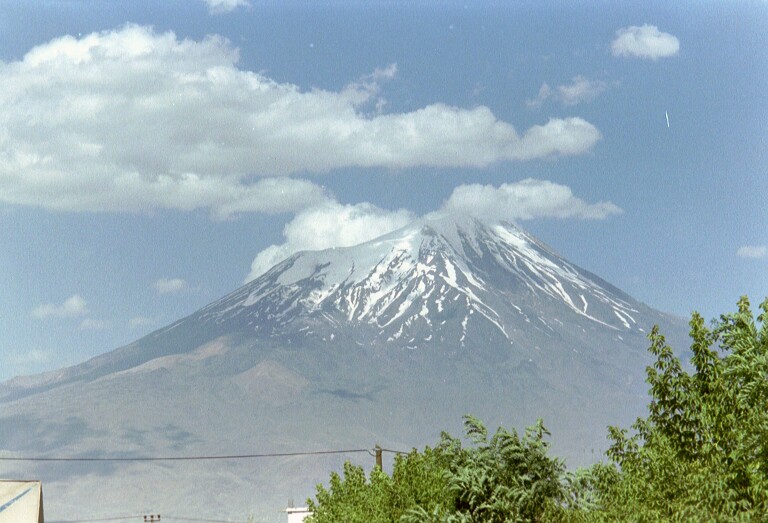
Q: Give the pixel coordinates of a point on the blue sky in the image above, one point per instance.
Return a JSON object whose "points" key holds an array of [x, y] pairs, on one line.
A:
{"points": [[156, 155]]}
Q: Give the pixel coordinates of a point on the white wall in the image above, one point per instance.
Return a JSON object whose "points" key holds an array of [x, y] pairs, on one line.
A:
{"points": [[297, 514]]}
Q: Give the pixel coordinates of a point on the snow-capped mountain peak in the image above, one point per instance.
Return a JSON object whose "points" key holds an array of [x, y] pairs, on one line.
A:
{"points": [[485, 277]]}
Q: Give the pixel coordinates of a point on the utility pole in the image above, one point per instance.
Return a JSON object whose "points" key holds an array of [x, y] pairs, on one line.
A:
{"points": [[377, 448], [152, 518]]}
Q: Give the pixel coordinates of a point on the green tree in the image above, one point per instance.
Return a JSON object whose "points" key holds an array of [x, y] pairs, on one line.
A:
{"points": [[505, 477], [418, 479], [502, 478], [701, 454], [353, 498]]}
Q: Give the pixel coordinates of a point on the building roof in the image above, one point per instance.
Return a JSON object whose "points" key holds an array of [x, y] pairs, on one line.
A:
{"points": [[21, 501]]}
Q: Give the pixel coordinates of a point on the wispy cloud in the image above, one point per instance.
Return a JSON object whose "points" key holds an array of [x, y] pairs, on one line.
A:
{"points": [[141, 120], [170, 286], [90, 324], [752, 251], [72, 307], [644, 41], [216, 7], [29, 357], [581, 89], [142, 321]]}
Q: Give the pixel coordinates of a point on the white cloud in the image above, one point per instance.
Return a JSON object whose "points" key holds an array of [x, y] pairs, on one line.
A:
{"points": [[140, 120], [330, 225], [557, 137], [170, 286], [580, 90], [89, 324], [71, 308], [644, 42], [216, 7], [525, 200], [752, 251]]}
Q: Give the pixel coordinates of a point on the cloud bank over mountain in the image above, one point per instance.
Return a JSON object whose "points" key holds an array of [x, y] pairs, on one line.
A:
{"points": [[336, 225], [330, 225], [132, 120]]}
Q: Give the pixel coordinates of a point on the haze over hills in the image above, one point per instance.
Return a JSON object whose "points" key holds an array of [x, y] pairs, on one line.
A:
{"points": [[388, 342]]}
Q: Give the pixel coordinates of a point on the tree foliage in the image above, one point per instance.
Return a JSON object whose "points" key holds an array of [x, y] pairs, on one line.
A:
{"points": [[702, 452], [418, 479]]}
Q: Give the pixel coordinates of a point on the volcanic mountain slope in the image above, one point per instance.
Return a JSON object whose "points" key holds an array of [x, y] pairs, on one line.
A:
{"points": [[390, 341]]}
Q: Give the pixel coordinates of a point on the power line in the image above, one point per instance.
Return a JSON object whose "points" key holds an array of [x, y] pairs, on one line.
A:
{"points": [[179, 518], [192, 458], [98, 520], [138, 518], [395, 451], [187, 458]]}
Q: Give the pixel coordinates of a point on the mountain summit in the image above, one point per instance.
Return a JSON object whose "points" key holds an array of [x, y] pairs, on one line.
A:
{"points": [[390, 341], [444, 279]]}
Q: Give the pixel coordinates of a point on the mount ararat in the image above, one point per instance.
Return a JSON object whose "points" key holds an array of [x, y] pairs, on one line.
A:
{"points": [[387, 342]]}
